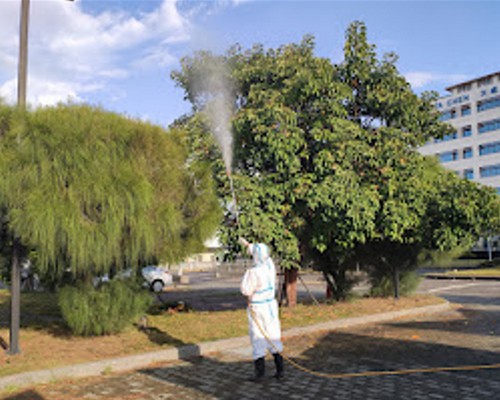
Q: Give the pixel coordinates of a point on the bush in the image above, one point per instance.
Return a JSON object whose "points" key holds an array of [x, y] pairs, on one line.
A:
{"points": [[382, 283], [105, 310]]}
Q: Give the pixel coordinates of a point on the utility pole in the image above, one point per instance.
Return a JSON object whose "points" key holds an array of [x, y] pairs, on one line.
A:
{"points": [[22, 83], [15, 284], [22, 73]]}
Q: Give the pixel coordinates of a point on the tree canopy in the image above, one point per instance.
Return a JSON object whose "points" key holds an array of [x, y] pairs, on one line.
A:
{"points": [[326, 163]]}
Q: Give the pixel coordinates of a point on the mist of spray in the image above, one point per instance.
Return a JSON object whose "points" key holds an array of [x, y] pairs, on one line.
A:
{"points": [[215, 97], [213, 82], [219, 112]]}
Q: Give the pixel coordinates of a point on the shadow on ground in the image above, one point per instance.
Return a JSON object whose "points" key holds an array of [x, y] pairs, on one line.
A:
{"points": [[343, 353], [473, 322], [217, 299], [26, 395]]}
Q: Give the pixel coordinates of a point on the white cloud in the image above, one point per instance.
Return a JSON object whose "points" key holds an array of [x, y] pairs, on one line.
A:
{"points": [[419, 79], [238, 2], [72, 52], [235, 3], [45, 92]]}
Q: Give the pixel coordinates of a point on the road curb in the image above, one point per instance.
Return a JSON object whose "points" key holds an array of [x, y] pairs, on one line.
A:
{"points": [[133, 362], [462, 277]]}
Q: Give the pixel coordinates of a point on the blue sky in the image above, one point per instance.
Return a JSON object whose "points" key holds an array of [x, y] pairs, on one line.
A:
{"points": [[119, 53]]}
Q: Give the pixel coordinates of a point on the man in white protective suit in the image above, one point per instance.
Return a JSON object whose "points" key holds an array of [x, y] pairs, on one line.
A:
{"points": [[259, 286]]}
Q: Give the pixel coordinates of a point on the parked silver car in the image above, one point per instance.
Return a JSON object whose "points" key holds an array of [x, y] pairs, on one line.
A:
{"points": [[157, 277]]}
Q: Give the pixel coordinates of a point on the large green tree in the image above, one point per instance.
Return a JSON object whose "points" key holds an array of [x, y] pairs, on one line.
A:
{"points": [[279, 96], [326, 165]]}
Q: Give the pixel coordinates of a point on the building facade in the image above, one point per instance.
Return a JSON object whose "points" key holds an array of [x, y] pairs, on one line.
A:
{"points": [[473, 149]]}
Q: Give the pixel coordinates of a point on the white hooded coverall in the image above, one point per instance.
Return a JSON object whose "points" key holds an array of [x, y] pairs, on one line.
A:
{"points": [[258, 284]]}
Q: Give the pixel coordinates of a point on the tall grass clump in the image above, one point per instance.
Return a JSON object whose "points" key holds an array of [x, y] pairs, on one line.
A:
{"points": [[105, 310], [382, 282]]}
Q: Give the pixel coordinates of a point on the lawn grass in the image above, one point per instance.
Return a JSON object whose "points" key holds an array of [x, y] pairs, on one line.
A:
{"points": [[45, 342], [486, 272], [455, 263]]}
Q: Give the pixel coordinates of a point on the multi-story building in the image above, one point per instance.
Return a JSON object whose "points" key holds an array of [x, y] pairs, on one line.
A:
{"points": [[473, 149]]}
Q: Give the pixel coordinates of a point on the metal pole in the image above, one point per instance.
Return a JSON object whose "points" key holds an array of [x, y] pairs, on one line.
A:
{"points": [[490, 252], [15, 301], [22, 83], [22, 75], [308, 291], [15, 285]]}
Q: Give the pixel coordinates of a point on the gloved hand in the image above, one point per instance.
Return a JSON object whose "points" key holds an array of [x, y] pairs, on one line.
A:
{"points": [[244, 242]]}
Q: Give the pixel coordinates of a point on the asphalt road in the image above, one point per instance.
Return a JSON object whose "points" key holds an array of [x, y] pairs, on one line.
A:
{"points": [[479, 294]]}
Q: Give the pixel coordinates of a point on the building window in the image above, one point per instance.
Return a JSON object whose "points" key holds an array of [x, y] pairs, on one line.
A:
{"points": [[488, 104], [489, 171], [467, 152], [447, 115], [489, 148], [448, 156], [484, 81], [488, 126], [451, 136], [446, 138], [469, 173], [463, 88], [466, 131], [465, 110]]}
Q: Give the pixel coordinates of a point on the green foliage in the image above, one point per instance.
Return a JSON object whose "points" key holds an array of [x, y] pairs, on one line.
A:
{"points": [[458, 213], [6, 115], [105, 310], [93, 191], [326, 167]]}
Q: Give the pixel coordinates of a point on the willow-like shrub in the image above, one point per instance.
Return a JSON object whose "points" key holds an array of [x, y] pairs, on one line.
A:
{"points": [[90, 191], [105, 310]]}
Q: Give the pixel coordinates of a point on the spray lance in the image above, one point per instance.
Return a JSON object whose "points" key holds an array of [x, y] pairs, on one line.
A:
{"points": [[233, 195], [234, 211], [234, 208]]}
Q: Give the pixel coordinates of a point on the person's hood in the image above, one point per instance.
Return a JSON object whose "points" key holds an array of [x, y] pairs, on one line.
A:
{"points": [[260, 252]]}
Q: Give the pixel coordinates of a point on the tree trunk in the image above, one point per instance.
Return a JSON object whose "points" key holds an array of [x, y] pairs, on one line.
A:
{"points": [[396, 282], [291, 286], [329, 291], [330, 288], [336, 285]]}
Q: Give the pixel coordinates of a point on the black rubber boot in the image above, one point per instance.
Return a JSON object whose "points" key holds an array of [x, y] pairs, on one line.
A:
{"points": [[260, 369], [278, 362]]}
